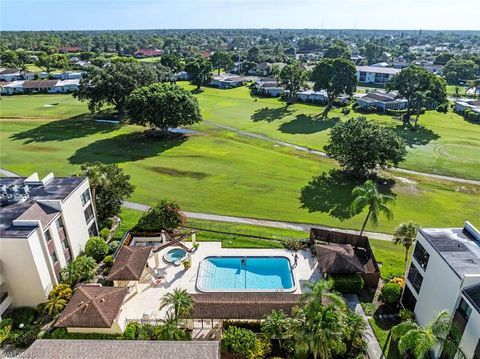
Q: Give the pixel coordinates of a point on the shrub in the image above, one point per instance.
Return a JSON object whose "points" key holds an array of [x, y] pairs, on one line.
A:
{"points": [[26, 338], [113, 246], [391, 293], [80, 269], [61, 333], [293, 244], [347, 283], [96, 248], [5, 329], [62, 291], [166, 215], [54, 306], [131, 331], [146, 332], [443, 107], [396, 113], [106, 223], [369, 309], [422, 110], [22, 315], [196, 245], [240, 341], [406, 314], [187, 264], [105, 233], [108, 261], [345, 111], [263, 347], [397, 280]]}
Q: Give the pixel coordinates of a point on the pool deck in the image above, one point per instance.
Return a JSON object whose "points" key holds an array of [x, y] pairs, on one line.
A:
{"points": [[147, 300]]}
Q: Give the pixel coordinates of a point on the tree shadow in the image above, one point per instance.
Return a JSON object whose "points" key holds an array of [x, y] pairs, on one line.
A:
{"points": [[67, 129], [271, 114], [307, 124], [331, 193], [125, 148], [418, 137]]}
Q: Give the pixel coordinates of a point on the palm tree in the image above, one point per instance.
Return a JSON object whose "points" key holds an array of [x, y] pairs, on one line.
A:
{"points": [[405, 235], [420, 340], [54, 306], [71, 273], [368, 196], [319, 292], [180, 300], [170, 330], [276, 326]]}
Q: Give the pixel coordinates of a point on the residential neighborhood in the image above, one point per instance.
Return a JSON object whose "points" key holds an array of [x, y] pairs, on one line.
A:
{"points": [[239, 180]]}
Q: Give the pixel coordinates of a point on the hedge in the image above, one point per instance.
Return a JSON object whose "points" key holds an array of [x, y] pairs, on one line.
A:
{"points": [[347, 284], [61, 333], [391, 293], [395, 112]]}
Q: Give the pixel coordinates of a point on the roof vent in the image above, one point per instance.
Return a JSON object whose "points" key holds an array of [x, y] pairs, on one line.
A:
{"points": [[471, 231]]}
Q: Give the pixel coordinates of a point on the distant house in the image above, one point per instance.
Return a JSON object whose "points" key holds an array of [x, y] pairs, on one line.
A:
{"points": [[464, 104], [268, 87], [70, 75], [147, 52], [313, 96], [94, 309], [436, 69], [382, 101], [39, 86], [228, 81], [35, 86], [64, 86], [375, 75], [70, 49], [11, 88], [181, 76], [237, 67], [10, 74], [262, 69]]}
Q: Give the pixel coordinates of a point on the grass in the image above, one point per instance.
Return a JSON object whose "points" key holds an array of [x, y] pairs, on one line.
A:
{"points": [[381, 331], [389, 256], [215, 171], [445, 144]]}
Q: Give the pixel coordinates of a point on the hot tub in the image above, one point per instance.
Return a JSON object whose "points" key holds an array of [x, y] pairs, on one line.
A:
{"points": [[175, 255]]}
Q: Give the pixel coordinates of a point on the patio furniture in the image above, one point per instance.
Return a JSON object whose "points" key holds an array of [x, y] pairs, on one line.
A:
{"points": [[156, 281], [159, 273]]}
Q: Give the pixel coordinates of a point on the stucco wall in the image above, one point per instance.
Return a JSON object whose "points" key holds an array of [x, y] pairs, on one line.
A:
{"points": [[471, 335]]}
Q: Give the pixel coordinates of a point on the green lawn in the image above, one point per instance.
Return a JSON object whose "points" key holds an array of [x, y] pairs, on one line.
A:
{"points": [[447, 144], [381, 331]]}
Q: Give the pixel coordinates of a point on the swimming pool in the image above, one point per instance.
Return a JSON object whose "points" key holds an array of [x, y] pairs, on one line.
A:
{"points": [[245, 274], [175, 255]]}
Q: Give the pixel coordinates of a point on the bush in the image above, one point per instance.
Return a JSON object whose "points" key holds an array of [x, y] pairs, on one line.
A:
{"points": [[166, 215], [96, 248], [422, 110], [113, 246], [61, 333], [395, 113], [345, 111], [187, 264], [240, 341], [26, 338], [369, 309], [131, 331], [5, 329], [62, 291], [443, 107], [397, 280], [293, 244], [406, 314], [105, 233], [106, 223], [146, 332], [347, 284], [391, 293], [22, 315], [108, 261]]}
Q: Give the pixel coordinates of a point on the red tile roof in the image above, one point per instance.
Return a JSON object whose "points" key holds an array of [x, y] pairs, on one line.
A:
{"points": [[130, 263]]}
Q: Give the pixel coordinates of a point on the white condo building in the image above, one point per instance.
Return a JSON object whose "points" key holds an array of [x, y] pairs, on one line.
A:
{"points": [[444, 274], [44, 224]]}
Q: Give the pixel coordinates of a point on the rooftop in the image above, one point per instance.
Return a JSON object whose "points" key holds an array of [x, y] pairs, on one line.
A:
{"points": [[30, 206], [122, 349], [336, 258], [457, 246], [378, 70], [130, 263], [92, 306], [380, 97]]}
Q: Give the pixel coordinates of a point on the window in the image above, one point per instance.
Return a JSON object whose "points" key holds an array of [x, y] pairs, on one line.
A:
{"points": [[60, 223], [85, 197], [47, 235], [54, 257], [92, 230], [408, 300], [88, 213], [415, 278], [65, 244], [476, 355], [421, 255], [464, 309]]}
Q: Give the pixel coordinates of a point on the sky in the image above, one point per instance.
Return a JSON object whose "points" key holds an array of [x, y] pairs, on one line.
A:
{"points": [[198, 14]]}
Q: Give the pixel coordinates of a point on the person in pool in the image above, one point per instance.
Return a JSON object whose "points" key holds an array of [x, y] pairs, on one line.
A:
{"points": [[244, 261]]}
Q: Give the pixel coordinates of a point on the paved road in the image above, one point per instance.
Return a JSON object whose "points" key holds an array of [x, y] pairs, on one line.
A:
{"points": [[7, 173], [260, 222], [323, 154]]}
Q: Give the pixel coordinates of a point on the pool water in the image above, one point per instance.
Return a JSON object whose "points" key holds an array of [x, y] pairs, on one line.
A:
{"points": [[262, 274], [176, 254]]}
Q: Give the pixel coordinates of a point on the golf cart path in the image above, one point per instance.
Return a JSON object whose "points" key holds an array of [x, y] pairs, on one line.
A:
{"points": [[323, 154], [305, 227]]}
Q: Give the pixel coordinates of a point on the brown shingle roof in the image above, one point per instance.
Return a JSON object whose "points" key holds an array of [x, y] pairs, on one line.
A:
{"points": [[92, 306], [40, 212], [341, 259], [130, 263], [121, 349], [241, 305], [34, 84]]}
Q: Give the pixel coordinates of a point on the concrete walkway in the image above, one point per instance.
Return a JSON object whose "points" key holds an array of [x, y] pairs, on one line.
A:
{"points": [[373, 348], [261, 222], [323, 154]]}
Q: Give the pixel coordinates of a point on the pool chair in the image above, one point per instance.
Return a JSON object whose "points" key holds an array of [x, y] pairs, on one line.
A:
{"points": [[156, 281]]}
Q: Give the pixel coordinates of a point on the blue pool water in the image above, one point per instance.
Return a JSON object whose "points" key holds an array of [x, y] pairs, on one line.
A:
{"points": [[175, 254], [217, 274]]}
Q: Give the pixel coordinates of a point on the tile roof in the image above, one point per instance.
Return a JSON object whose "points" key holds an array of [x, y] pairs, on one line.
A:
{"points": [[340, 259], [130, 263], [33, 84], [121, 349], [92, 306], [241, 306]]}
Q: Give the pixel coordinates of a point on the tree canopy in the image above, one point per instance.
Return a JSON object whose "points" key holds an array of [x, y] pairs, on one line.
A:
{"points": [[338, 49], [294, 78], [166, 215], [360, 146], [52, 62], [199, 71], [162, 106], [456, 70], [172, 61], [336, 76], [222, 60], [112, 84]]}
